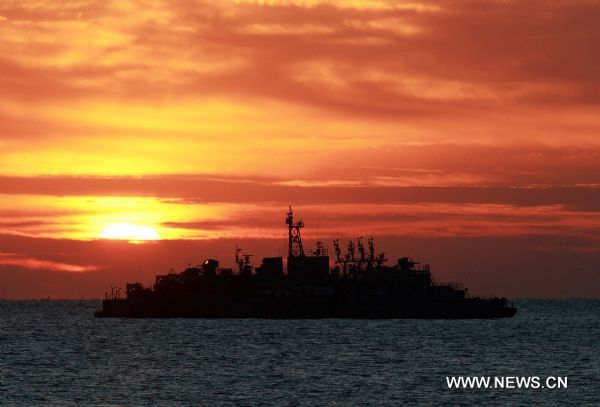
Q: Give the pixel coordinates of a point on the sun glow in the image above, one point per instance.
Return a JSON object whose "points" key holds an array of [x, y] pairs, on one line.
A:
{"points": [[129, 231]]}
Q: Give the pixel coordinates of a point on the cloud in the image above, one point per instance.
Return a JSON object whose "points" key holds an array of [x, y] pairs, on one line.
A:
{"points": [[256, 211], [386, 57], [521, 175], [13, 259], [107, 88]]}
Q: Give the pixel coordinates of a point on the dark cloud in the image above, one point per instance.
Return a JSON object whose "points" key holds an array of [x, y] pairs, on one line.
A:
{"points": [[202, 191], [440, 173]]}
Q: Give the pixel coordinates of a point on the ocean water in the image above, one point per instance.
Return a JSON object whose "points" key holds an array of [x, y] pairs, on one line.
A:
{"points": [[56, 353]]}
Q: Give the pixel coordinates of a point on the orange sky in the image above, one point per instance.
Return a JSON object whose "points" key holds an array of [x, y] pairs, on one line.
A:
{"points": [[469, 127]]}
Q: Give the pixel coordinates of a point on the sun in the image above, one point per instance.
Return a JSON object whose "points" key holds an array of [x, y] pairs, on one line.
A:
{"points": [[129, 231]]}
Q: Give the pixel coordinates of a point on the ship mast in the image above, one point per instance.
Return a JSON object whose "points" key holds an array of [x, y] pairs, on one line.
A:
{"points": [[243, 261], [238, 259], [295, 248]]}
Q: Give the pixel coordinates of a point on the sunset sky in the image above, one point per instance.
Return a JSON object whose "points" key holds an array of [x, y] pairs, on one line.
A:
{"points": [[139, 136]]}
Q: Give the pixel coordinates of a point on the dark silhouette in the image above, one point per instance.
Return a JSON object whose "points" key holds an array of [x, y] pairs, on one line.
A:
{"points": [[359, 285]]}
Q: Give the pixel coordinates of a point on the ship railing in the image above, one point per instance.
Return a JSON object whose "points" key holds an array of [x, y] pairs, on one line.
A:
{"points": [[318, 251], [490, 297], [453, 285]]}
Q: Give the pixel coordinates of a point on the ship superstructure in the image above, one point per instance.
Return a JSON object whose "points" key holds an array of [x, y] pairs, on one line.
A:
{"points": [[358, 283]]}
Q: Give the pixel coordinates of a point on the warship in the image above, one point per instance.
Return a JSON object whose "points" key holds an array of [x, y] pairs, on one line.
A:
{"points": [[355, 284]]}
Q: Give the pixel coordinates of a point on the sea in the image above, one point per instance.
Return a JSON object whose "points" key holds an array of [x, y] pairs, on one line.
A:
{"points": [[57, 353]]}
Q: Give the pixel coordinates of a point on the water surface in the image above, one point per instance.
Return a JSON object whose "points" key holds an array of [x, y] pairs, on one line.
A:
{"points": [[55, 352]]}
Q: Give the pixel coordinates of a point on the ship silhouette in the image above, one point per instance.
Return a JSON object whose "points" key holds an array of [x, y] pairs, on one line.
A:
{"points": [[359, 285]]}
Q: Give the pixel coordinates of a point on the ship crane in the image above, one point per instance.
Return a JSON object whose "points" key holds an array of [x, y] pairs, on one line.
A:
{"points": [[361, 248], [351, 256], [371, 264], [338, 251], [338, 256], [361, 253], [351, 252]]}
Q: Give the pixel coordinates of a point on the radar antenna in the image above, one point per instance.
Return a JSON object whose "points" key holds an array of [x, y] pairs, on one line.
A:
{"points": [[295, 248], [238, 260]]}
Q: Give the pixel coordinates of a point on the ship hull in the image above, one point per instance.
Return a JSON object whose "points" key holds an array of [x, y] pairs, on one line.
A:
{"points": [[475, 309]]}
